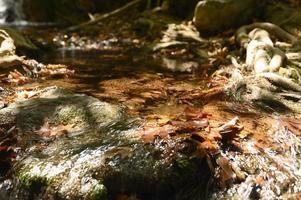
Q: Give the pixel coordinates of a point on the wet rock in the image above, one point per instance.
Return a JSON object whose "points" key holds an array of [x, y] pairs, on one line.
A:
{"points": [[177, 65], [99, 156], [58, 106], [215, 16]]}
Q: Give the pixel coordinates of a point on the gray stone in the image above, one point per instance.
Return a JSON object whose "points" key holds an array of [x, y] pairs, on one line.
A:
{"points": [[58, 106], [215, 16]]}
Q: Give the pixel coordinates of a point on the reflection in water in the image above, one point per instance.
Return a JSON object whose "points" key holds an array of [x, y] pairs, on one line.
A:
{"points": [[130, 78]]}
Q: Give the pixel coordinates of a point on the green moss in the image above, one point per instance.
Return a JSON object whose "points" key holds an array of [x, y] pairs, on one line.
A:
{"points": [[186, 164], [187, 167], [32, 182], [73, 114], [99, 192]]}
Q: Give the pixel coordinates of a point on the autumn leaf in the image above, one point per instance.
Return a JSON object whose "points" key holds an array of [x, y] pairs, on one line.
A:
{"points": [[230, 130], [189, 126], [47, 130], [150, 134], [292, 124], [226, 172]]}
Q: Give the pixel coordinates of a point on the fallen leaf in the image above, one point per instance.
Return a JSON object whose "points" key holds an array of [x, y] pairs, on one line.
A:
{"points": [[47, 130], [150, 134], [292, 124], [226, 172], [230, 130]]}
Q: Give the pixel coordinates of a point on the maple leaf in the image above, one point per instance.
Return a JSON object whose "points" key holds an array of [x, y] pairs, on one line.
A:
{"points": [[46, 130]]}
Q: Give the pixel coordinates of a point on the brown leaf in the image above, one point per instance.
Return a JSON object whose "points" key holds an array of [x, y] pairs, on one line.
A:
{"points": [[292, 124], [209, 146], [17, 78], [230, 130], [47, 130], [194, 114], [226, 172], [190, 126], [149, 134], [56, 70]]}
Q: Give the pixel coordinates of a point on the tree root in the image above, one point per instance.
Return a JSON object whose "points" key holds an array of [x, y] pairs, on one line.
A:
{"points": [[9, 58], [266, 86], [261, 53], [243, 39], [281, 81], [8, 55]]}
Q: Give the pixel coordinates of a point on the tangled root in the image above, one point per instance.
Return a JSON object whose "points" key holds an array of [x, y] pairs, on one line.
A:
{"points": [[265, 61]]}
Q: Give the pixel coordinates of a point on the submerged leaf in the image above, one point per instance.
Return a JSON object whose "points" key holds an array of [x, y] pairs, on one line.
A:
{"points": [[292, 124], [226, 172], [230, 130]]}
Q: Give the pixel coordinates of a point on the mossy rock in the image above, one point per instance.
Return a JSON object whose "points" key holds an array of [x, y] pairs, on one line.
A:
{"points": [[58, 106], [106, 157], [99, 192], [32, 183]]}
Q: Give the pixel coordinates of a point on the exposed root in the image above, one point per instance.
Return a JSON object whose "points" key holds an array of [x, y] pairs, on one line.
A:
{"points": [[243, 39], [261, 53], [8, 55], [32, 68], [281, 81], [274, 80]]}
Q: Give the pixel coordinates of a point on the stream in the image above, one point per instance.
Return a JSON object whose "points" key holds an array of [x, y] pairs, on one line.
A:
{"points": [[265, 158], [126, 127]]}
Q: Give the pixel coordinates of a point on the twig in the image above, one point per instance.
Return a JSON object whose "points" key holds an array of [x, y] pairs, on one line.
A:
{"points": [[7, 134]]}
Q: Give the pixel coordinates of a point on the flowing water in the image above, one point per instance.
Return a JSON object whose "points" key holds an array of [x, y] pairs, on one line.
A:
{"points": [[269, 155], [11, 11], [124, 164]]}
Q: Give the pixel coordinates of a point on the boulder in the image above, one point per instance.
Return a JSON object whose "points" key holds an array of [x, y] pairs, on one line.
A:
{"points": [[98, 154], [215, 16]]}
